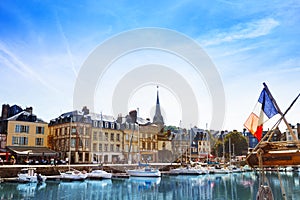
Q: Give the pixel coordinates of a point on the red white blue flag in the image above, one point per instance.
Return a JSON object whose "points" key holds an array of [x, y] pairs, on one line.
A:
{"points": [[263, 111]]}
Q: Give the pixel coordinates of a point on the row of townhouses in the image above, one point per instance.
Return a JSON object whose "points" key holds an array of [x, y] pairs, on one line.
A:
{"points": [[84, 137]]}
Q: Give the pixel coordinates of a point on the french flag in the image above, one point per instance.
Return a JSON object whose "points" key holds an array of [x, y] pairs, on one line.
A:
{"points": [[263, 111]]}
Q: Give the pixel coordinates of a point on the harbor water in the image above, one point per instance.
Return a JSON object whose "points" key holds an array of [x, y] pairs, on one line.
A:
{"points": [[242, 186]]}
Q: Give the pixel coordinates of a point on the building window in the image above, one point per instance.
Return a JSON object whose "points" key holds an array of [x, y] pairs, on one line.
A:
{"points": [[112, 137], [112, 126], [153, 146], [94, 147], [15, 140], [95, 124], [39, 130], [56, 132], [100, 147], [100, 136], [106, 147], [117, 148], [118, 137], [106, 136], [143, 145], [21, 129], [87, 143], [39, 141], [73, 130], [94, 135], [73, 142], [23, 141], [149, 146], [111, 147], [106, 125]]}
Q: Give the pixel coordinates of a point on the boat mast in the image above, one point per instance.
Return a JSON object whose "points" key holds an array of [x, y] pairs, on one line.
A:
{"points": [[229, 151], [191, 144], [223, 150], [101, 124], [205, 147], [69, 160], [139, 151]]}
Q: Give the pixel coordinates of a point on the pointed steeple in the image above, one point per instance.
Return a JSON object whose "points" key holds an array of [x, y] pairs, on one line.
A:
{"points": [[158, 118]]}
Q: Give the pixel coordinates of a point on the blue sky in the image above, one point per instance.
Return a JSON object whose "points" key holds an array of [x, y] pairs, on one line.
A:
{"points": [[43, 45]]}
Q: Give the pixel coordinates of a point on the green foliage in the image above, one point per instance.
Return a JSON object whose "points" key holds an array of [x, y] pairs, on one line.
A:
{"points": [[238, 141], [239, 145], [171, 128]]}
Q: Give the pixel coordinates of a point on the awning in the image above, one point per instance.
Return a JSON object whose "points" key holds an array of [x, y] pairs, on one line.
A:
{"points": [[31, 151]]}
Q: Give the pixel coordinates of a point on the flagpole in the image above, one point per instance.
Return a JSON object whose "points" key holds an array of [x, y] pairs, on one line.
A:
{"points": [[279, 111]]}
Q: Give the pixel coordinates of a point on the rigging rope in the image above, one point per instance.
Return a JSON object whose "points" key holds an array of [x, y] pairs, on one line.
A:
{"points": [[281, 186], [264, 191]]}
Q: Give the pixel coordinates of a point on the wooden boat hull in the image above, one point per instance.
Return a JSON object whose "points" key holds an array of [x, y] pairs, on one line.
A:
{"points": [[276, 156]]}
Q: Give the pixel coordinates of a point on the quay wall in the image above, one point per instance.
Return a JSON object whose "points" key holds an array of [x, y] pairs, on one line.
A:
{"points": [[9, 171]]}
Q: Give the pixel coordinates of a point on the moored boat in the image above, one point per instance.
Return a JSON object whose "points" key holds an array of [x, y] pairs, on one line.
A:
{"points": [[144, 172], [99, 174], [189, 171], [73, 175], [281, 153], [29, 175], [272, 151], [221, 170]]}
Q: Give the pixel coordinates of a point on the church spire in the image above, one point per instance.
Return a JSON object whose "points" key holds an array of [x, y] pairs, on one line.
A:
{"points": [[158, 118]]}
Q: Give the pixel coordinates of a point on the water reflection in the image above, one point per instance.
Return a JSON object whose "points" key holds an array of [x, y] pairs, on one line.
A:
{"points": [[227, 186], [20, 191]]}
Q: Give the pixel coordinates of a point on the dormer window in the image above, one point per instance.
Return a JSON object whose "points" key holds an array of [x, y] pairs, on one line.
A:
{"points": [[95, 123], [106, 125]]}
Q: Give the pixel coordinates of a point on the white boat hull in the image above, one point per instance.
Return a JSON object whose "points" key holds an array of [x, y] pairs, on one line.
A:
{"points": [[73, 176], [27, 175], [144, 173], [32, 179], [99, 174]]}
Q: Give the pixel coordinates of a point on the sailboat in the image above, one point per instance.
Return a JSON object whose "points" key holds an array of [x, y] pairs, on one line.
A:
{"points": [[99, 173], [275, 153], [144, 171], [72, 174]]}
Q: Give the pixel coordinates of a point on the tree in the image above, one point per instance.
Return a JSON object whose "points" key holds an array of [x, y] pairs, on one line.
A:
{"points": [[238, 141]]}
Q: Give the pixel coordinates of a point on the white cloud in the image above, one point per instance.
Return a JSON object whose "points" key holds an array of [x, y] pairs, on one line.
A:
{"points": [[249, 30], [9, 59]]}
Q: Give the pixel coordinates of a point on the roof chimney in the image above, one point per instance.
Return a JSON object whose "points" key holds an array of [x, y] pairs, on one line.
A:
{"points": [[5, 108], [133, 115], [29, 109]]}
